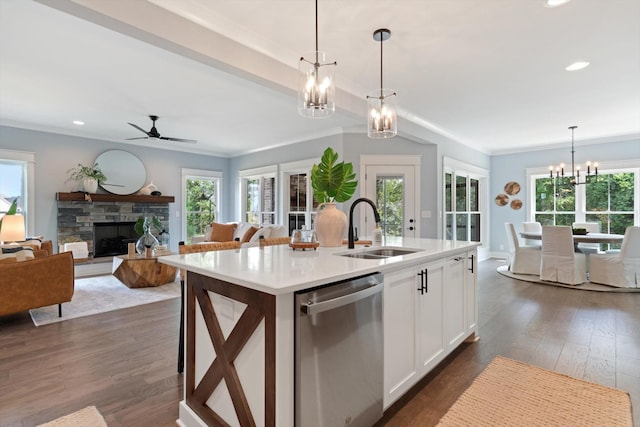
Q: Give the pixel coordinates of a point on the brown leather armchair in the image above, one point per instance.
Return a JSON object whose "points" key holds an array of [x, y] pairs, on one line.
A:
{"points": [[45, 280]]}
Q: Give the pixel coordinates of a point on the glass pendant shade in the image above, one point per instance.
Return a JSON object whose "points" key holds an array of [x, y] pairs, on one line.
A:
{"points": [[382, 118], [316, 89]]}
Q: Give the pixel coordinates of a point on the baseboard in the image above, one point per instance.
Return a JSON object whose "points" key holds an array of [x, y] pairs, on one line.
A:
{"points": [[93, 268]]}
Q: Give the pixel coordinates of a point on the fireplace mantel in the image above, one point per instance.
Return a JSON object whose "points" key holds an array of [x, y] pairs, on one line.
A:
{"points": [[131, 198]]}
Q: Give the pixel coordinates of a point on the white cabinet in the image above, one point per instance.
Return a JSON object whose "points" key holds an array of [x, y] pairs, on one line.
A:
{"points": [[471, 293], [429, 309], [454, 301]]}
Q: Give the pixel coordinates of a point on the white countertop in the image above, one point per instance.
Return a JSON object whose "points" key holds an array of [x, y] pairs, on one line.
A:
{"points": [[280, 270]]}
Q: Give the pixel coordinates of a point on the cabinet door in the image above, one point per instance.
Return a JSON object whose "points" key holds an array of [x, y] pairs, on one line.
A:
{"points": [[400, 351], [454, 301], [430, 336], [471, 281]]}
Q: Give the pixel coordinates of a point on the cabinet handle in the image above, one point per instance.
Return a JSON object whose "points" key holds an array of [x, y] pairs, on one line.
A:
{"points": [[421, 288], [458, 258], [426, 281], [471, 258]]}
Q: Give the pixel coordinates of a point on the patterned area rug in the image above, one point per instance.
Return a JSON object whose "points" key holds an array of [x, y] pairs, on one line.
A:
{"points": [[87, 417], [512, 393], [93, 295], [503, 269]]}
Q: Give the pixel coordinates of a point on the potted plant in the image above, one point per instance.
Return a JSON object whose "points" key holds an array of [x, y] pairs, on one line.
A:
{"points": [[89, 176], [332, 182]]}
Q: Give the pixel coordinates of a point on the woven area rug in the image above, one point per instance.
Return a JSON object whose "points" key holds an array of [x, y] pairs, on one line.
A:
{"points": [[512, 393], [504, 270], [93, 295], [87, 417]]}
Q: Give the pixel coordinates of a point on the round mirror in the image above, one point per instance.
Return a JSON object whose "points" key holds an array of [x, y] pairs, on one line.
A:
{"points": [[125, 172]]}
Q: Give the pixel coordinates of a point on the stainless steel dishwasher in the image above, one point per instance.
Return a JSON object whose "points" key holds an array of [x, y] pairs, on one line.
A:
{"points": [[338, 349]]}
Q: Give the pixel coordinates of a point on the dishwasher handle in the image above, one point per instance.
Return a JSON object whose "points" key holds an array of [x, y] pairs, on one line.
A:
{"points": [[318, 307]]}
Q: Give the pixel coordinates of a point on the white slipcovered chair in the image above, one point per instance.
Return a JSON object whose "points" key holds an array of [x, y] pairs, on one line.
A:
{"points": [[559, 261], [622, 269], [522, 259], [532, 227]]}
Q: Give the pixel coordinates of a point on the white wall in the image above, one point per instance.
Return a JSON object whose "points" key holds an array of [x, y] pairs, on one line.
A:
{"points": [[512, 167], [55, 154]]}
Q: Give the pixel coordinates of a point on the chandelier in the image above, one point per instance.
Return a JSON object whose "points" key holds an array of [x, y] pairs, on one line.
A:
{"points": [[574, 179], [316, 90], [381, 118]]}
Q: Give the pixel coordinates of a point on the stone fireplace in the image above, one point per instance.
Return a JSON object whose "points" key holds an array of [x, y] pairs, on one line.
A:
{"points": [[106, 218]]}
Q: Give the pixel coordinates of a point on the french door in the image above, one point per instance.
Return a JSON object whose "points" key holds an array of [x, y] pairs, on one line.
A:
{"points": [[393, 188]]}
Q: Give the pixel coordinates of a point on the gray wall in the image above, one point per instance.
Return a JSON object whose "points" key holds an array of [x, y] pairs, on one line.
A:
{"points": [[512, 167], [55, 154]]}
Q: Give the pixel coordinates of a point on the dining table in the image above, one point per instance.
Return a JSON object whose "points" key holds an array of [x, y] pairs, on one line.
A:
{"points": [[581, 238]]}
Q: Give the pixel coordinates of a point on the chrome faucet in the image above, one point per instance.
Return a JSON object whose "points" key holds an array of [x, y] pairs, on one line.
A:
{"points": [[353, 205]]}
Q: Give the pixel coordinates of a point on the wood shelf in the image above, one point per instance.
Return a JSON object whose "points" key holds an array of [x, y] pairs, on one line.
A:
{"points": [[132, 198]]}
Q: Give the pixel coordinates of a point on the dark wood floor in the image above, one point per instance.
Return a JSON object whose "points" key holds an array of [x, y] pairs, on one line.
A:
{"points": [[124, 362]]}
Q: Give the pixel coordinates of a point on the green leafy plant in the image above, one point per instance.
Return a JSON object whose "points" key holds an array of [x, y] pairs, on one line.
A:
{"points": [[81, 172], [144, 223], [332, 181], [12, 210]]}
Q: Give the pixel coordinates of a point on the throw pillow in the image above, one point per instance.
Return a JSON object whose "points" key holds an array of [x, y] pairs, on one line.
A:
{"points": [[249, 234], [19, 252], [222, 232]]}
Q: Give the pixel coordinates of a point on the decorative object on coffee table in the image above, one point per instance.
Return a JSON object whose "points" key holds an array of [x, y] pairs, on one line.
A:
{"points": [[147, 241]]}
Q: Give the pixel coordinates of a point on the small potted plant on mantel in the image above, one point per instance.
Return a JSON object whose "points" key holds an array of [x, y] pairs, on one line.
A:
{"points": [[332, 182], [89, 176]]}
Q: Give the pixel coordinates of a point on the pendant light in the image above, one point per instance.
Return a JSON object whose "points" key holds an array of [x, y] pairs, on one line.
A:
{"points": [[316, 90], [382, 118], [574, 179]]}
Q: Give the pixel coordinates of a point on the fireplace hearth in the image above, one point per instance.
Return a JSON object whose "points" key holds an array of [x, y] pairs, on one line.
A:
{"points": [[112, 238]]}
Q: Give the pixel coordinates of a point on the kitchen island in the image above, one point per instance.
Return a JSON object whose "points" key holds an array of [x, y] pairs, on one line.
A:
{"points": [[239, 309]]}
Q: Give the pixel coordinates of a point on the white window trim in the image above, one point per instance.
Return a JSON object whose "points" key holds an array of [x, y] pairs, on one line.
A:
{"points": [[458, 167], [196, 173], [632, 165], [30, 202], [257, 173], [293, 168]]}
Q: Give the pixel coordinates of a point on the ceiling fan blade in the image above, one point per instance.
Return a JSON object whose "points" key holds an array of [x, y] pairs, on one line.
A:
{"points": [[140, 129], [142, 137], [166, 138]]}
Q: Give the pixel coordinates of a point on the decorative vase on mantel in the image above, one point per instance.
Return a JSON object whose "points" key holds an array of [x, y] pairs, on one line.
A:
{"points": [[90, 185], [331, 223]]}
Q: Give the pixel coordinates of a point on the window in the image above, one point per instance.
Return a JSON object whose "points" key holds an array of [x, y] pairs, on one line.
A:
{"points": [[463, 194], [300, 206], [611, 199], [17, 183], [201, 201], [390, 196], [258, 195]]}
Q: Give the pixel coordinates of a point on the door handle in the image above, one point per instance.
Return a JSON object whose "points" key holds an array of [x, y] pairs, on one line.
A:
{"points": [[311, 308], [410, 228]]}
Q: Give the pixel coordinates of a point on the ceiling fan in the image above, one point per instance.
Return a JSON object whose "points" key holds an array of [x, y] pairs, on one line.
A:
{"points": [[154, 134]]}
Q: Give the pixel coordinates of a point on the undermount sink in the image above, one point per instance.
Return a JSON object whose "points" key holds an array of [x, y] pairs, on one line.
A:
{"points": [[379, 253]]}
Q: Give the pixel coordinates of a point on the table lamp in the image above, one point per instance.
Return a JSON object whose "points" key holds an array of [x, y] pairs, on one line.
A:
{"points": [[12, 228]]}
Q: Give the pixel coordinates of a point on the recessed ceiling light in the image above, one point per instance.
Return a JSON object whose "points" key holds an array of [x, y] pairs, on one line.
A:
{"points": [[78, 122], [578, 65], [554, 3]]}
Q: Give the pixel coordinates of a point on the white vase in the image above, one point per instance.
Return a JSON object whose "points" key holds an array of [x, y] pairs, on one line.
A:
{"points": [[90, 185], [331, 223]]}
